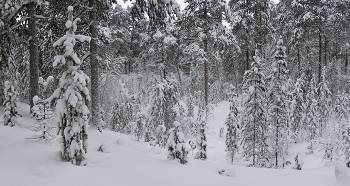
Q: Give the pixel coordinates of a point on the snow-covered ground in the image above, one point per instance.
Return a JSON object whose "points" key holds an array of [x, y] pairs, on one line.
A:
{"points": [[130, 162]]}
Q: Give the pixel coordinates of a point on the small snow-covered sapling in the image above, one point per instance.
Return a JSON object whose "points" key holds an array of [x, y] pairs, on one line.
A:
{"points": [[41, 112], [202, 141], [72, 96], [176, 144], [11, 111]]}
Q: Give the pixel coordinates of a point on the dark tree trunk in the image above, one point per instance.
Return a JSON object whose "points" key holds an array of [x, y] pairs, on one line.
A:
{"points": [[94, 67], [33, 54], [247, 59], [299, 68], [205, 61], [346, 61], [319, 57], [325, 51], [126, 67]]}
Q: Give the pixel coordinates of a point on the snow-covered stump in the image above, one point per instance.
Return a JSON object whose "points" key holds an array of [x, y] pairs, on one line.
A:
{"points": [[11, 111], [176, 144], [71, 97]]}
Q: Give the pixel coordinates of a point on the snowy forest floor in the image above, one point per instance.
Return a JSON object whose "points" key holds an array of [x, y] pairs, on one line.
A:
{"points": [[134, 163]]}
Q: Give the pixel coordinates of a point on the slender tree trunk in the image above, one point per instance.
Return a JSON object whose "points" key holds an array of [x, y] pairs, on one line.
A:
{"points": [[346, 61], [95, 103], [247, 59], [254, 132], [276, 153], [131, 48], [126, 67], [205, 41], [299, 69], [33, 54], [319, 57], [1, 83], [325, 51]]}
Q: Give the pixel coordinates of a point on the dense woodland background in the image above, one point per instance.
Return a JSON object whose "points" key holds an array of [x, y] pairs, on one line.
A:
{"points": [[284, 67]]}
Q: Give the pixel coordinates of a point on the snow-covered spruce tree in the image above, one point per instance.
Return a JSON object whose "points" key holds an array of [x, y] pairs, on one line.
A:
{"points": [[161, 111], [298, 107], [176, 144], [122, 116], [42, 112], [11, 111], [254, 125], [345, 145], [201, 141], [341, 109], [190, 106], [140, 125], [71, 97], [171, 94], [277, 92], [156, 111], [324, 102], [232, 124], [312, 111]]}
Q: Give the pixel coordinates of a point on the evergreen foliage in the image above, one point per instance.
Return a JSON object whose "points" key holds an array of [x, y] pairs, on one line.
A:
{"points": [[201, 141], [278, 104], [298, 107], [341, 109], [254, 117], [162, 112], [72, 96], [140, 126], [176, 144], [42, 113], [324, 102], [233, 129], [11, 110], [312, 112]]}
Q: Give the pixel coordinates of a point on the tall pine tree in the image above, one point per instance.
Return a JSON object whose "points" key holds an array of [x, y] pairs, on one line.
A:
{"points": [[278, 103], [254, 118]]}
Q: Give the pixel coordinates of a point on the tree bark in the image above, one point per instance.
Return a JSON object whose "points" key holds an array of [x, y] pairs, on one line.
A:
{"points": [[247, 58], [325, 51], [94, 67], [33, 54], [205, 41], [319, 57], [346, 61], [299, 69]]}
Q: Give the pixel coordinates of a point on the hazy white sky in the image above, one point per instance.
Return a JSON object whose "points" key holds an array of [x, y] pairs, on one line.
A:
{"points": [[181, 2]]}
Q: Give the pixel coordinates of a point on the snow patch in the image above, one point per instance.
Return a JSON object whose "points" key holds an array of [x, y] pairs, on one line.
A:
{"points": [[41, 171]]}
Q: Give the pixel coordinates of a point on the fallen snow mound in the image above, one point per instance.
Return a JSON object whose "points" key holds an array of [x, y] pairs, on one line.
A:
{"points": [[342, 173], [227, 172], [156, 149]]}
